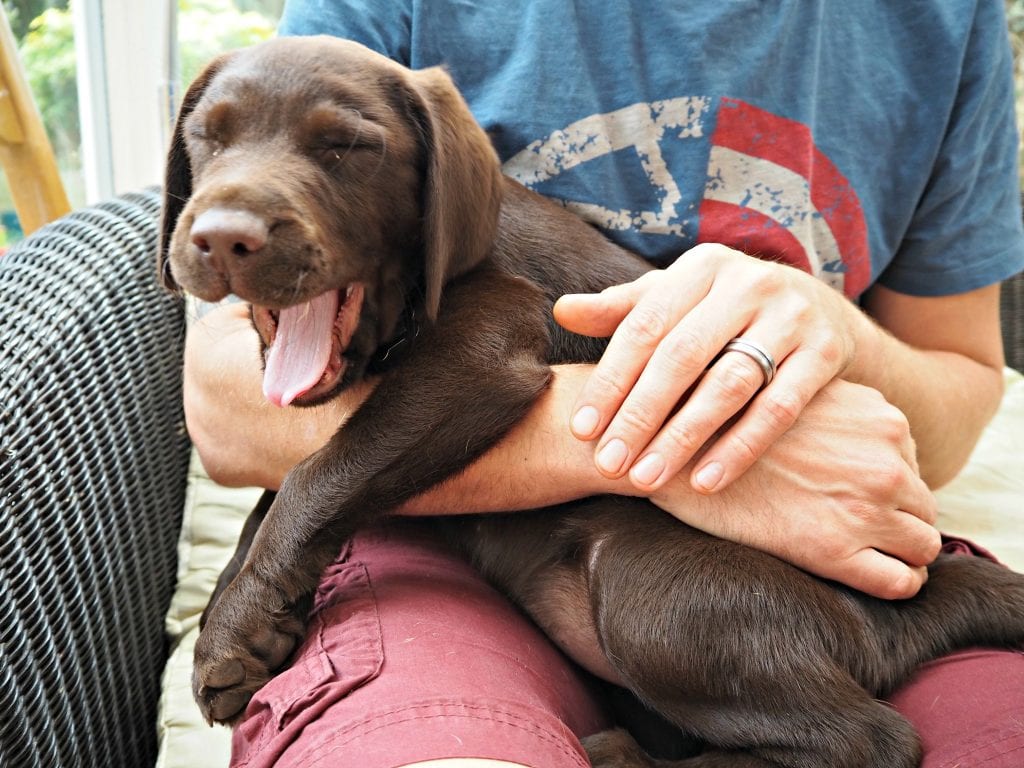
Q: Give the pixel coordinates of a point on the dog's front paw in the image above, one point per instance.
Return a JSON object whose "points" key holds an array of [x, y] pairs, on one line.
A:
{"points": [[243, 642]]}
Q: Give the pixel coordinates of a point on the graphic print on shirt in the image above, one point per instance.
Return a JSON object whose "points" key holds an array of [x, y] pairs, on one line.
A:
{"points": [[768, 190]]}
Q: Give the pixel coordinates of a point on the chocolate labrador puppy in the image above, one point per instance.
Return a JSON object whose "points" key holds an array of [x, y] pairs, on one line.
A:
{"points": [[362, 212]]}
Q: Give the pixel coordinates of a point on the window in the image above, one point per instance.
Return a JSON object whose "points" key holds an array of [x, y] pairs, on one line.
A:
{"points": [[101, 74]]}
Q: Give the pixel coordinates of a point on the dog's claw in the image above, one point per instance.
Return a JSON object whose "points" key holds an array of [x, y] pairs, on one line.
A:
{"points": [[238, 651], [230, 672]]}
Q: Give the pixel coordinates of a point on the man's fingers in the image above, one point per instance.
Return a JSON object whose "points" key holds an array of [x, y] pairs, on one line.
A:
{"points": [[771, 413], [599, 314], [634, 348], [723, 391], [877, 574], [917, 543]]}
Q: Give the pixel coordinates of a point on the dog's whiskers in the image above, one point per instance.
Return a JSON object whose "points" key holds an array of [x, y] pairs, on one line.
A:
{"points": [[297, 289]]}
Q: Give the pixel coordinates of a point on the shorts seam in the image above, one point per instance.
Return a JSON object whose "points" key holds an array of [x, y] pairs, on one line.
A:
{"points": [[505, 717], [955, 762]]}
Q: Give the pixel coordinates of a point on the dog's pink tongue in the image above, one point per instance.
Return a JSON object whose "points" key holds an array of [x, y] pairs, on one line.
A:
{"points": [[297, 359]]}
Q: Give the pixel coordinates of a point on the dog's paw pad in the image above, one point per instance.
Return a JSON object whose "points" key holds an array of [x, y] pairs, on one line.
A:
{"points": [[226, 673], [273, 647]]}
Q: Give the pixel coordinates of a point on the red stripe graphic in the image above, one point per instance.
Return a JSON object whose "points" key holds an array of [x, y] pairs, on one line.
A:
{"points": [[751, 232], [751, 131]]}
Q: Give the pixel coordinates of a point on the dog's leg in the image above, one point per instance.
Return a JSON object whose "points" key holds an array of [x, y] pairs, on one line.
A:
{"points": [[616, 748], [252, 524], [468, 379], [736, 648], [967, 601]]}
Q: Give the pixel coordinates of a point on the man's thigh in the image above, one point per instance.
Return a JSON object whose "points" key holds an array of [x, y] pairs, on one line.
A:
{"points": [[968, 709], [409, 658]]}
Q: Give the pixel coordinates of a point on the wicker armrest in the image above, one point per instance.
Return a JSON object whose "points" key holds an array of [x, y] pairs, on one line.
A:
{"points": [[93, 464], [1011, 301]]}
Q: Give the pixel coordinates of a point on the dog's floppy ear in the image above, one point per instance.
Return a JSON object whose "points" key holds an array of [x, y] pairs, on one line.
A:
{"points": [[178, 173], [463, 186]]}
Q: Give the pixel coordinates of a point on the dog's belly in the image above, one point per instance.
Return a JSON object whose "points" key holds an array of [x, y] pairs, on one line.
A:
{"points": [[560, 605]]}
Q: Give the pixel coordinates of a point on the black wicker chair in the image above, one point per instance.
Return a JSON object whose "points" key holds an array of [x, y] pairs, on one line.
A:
{"points": [[93, 462], [1012, 306]]}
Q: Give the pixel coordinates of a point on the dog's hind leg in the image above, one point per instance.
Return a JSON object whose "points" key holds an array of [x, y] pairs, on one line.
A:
{"points": [[616, 748], [737, 649], [967, 601]]}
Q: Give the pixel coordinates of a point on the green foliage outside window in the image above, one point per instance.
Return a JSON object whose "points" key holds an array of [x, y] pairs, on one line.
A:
{"points": [[208, 27], [205, 28], [46, 45]]}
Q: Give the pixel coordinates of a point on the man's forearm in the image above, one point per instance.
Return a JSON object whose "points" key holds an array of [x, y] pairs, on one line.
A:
{"points": [[948, 382], [946, 421], [243, 440], [537, 464]]}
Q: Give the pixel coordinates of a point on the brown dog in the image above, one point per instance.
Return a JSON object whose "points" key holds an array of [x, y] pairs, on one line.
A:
{"points": [[362, 212]]}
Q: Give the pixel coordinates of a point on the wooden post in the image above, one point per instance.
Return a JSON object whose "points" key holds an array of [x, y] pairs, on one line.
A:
{"points": [[25, 151]]}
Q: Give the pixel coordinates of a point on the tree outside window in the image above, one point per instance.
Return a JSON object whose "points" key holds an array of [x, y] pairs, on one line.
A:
{"points": [[46, 46], [45, 37]]}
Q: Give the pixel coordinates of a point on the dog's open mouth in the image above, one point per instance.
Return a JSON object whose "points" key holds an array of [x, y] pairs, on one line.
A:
{"points": [[306, 345]]}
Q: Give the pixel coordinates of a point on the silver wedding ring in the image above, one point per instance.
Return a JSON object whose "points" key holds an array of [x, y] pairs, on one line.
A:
{"points": [[757, 353]]}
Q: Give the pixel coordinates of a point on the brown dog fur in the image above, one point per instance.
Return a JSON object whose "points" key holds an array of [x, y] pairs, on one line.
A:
{"points": [[351, 168]]}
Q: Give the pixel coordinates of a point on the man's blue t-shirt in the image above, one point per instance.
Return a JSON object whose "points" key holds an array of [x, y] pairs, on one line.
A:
{"points": [[863, 140]]}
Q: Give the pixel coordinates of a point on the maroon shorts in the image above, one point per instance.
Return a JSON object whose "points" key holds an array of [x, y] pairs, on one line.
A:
{"points": [[410, 657]]}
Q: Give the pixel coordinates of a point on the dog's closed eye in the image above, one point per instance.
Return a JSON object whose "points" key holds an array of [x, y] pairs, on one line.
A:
{"points": [[214, 128], [331, 132]]}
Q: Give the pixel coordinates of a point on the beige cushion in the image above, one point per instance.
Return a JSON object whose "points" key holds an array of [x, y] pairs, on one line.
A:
{"points": [[985, 502], [210, 527]]}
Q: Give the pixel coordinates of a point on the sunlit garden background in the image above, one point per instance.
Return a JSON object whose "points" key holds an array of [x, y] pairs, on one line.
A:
{"points": [[45, 37], [46, 43]]}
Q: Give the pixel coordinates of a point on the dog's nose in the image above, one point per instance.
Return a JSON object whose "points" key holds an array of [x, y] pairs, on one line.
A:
{"points": [[221, 234]]}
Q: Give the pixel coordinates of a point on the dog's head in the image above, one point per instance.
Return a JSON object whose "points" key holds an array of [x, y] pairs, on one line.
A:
{"points": [[331, 188]]}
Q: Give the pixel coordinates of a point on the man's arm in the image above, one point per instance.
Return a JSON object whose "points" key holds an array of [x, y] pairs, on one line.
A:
{"points": [[937, 359], [807, 502], [244, 440], [940, 361]]}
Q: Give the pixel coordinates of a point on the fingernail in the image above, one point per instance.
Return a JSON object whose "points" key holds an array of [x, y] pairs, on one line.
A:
{"points": [[612, 456], [709, 476], [584, 423], [648, 469]]}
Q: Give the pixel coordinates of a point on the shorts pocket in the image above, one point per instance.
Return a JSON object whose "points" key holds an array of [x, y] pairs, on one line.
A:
{"points": [[343, 650]]}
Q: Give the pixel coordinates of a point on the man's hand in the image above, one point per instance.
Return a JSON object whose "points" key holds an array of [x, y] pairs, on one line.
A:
{"points": [[667, 330], [241, 438], [838, 495]]}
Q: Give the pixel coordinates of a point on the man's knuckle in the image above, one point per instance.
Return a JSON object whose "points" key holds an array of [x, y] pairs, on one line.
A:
{"points": [[737, 380], [711, 252], [685, 349], [782, 406], [903, 583], [744, 448], [608, 386], [638, 420], [890, 476], [683, 437], [769, 283], [646, 324], [932, 545], [831, 352], [895, 426]]}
